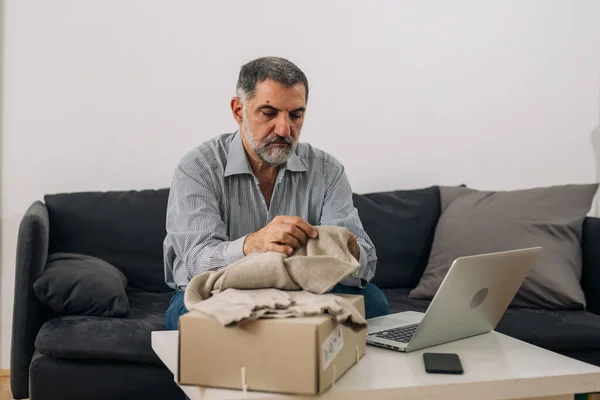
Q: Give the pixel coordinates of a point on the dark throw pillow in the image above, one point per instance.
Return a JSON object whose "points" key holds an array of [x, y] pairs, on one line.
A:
{"points": [[76, 284]]}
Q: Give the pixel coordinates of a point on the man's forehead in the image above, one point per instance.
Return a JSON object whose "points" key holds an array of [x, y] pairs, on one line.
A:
{"points": [[274, 93]]}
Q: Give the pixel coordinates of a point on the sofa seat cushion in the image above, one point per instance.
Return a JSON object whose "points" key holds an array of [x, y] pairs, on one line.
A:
{"points": [[105, 338], [556, 330], [587, 356], [560, 331], [399, 301]]}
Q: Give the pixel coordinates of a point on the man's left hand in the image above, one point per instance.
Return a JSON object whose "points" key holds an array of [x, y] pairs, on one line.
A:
{"points": [[353, 246]]}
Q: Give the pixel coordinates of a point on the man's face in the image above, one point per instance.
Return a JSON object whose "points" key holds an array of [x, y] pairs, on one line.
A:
{"points": [[271, 121]]}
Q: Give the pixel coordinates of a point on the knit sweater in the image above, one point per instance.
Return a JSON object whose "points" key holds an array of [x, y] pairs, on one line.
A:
{"points": [[274, 285]]}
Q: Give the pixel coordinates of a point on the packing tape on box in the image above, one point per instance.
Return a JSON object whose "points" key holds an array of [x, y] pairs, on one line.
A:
{"points": [[357, 354], [244, 384]]}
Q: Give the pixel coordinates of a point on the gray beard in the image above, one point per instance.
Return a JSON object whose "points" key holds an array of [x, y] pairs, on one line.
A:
{"points": [[276, 156]]}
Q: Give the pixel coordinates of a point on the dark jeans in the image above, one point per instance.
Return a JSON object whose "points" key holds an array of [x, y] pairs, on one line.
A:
{"points": [[376, 304]]}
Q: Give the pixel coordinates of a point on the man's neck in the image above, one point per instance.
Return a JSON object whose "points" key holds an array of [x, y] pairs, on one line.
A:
{"points": [[265, 173]]}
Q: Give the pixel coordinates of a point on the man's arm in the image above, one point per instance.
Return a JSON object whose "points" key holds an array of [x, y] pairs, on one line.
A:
{"points": [[339, 210], [197, 237]]}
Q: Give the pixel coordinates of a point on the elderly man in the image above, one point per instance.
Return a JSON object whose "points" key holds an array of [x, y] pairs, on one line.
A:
{"points": [[258, 189]]}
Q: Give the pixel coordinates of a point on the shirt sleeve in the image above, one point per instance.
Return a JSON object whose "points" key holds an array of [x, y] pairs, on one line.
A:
{"points": [[197, 237], [339, 210]]}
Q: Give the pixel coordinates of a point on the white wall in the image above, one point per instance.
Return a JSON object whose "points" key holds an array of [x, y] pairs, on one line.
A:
{"points": [[103, 95]]}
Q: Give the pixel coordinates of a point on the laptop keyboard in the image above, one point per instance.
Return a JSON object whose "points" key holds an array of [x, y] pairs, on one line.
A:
{"points": [[401, 334]]}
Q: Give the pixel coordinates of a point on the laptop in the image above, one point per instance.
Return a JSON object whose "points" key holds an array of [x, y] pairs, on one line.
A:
{"points": [[472, 298]]}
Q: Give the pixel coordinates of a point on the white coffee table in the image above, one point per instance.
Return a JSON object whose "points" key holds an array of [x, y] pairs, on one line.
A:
{"points": [[496, 367]]}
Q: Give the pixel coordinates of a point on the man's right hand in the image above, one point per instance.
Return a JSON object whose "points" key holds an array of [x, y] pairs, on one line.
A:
{"points": [[283, 234]]}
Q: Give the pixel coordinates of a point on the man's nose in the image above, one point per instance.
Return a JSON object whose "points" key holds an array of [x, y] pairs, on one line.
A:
{"points": [[282, 125]]}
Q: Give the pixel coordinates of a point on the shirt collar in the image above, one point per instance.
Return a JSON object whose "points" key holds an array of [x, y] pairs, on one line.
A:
{"points": [[295, 164], [237, 162]]}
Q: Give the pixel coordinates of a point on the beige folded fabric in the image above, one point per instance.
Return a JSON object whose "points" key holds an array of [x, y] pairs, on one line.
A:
{"points": [[316, 267], [233, 306], [246, 289]]}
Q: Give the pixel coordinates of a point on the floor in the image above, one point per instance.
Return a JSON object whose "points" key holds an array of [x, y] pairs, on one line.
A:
{"points": [[5, 388]]}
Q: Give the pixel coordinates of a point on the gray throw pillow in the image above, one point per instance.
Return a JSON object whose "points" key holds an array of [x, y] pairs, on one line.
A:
{"points": [[474, 222], [76, 284]]}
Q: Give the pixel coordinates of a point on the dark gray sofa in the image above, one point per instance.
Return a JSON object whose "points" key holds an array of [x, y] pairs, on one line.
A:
{"points": [[87, 357]]}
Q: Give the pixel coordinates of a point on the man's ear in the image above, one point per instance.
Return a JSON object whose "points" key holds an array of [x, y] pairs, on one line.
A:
{"points": [[237, 109]]}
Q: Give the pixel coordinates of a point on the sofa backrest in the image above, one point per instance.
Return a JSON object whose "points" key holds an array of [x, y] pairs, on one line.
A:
{"points": [[127, 229], [590, 274], [401, 225], [124, 228]]}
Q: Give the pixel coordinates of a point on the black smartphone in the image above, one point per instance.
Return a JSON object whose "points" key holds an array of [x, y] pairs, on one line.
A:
{"points": [[442, 363]]}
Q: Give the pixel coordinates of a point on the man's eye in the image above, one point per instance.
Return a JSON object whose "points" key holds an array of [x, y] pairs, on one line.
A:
{"points": [[296, 116], [269, 114]]}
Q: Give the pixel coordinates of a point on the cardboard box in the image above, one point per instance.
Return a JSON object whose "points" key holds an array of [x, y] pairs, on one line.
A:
{"points": [[290, 355]]}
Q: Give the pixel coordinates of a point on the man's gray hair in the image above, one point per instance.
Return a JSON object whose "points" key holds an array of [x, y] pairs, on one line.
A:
{"points": [[275, 68]]}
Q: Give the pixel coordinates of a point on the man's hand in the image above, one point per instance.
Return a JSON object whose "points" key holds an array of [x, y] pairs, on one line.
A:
{"points": [[283, 234], [353, 246]]}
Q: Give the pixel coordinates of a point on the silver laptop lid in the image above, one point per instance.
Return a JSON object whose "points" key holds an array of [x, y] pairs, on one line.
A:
{"points": [[473, 296]]}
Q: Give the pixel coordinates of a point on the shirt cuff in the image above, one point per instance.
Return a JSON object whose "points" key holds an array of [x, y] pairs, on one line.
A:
{"points": [[356, 280], [351, 281], [234, 251], [363, 264]]}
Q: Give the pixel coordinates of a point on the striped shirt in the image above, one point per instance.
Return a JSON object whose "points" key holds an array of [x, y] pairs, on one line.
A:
{"points": [[215, 202]]}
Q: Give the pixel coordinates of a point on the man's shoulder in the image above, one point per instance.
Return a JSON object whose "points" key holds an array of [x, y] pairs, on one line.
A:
{"points": [[209, 154], [312, 156]]}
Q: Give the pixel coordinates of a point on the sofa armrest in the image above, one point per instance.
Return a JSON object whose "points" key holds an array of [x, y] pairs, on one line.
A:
{"points": [[32, 254], [590, 275]]}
